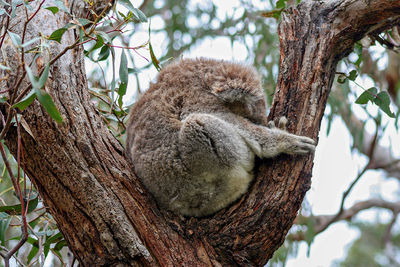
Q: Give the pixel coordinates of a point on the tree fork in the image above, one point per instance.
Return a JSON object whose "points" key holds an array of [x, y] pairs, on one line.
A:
{"points": [[106, 215]]}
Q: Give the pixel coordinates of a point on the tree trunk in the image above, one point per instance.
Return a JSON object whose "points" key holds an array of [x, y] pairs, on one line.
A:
{"points": [[106, 215]]}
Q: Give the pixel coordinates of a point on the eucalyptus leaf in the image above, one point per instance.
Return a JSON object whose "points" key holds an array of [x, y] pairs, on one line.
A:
{"points": [[48, 104], [84, 22], [2, 67], [99, 43], [366, 96], [341, 78], [15, 38], [281, 3], [104, 53], [43, 78], [5, 220], [154, 60], [30, 42], [382, 100], [16, 209], [26, 101], [58, 34], [123, 68], [34, 251], [61, 6], [53, 9], [136, 12], [353, 75]]}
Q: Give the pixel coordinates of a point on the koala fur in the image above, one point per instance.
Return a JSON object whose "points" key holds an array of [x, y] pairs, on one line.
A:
{"points": [[193, 136]]}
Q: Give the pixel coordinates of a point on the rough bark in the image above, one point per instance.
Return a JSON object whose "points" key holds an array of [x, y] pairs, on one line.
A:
{"points": [[106, 215]]}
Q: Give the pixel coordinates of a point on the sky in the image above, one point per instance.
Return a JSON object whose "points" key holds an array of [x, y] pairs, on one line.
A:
{"points": [[335, 165]]}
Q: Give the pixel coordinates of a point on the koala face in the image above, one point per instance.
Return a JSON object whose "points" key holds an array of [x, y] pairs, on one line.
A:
{"points": [[254, 111]]}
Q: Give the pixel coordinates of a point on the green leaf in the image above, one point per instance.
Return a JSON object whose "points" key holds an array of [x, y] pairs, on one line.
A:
{"points": [[84, 22], [382, 100], [105, 36], [136, 12], [15, 38], [27, 5], [43, 97], [154, 60], [38, 83], [60, 245], [46, 249], [4, 224], [14, 7], [113, 74], [54, 238], [123, 75], [126, 3], [26, 101], [104, 53], [341, 78], [34, 251], [99, 43], [368, 95], [30, 42], [353, 75], [123, 68], [2, 67], [32, 78], [43, 78], [16, 209], [61, 6], [57, 34], [4, 3], [53, 9], [140, 15], [280, 3], [48, 104]]}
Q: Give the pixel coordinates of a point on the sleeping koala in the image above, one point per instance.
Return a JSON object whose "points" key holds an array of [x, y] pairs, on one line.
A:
{"points": [[194, 135]]}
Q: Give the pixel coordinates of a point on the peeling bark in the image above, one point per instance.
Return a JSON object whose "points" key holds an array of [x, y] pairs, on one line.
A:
{"points": [[106, 215]]}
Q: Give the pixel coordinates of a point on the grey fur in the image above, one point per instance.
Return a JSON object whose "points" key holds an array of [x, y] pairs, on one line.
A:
{"points": [[193, 136]]}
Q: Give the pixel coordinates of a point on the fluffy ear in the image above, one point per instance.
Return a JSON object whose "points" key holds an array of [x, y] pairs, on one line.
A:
{"points": [[234, 91], [236, 83]]}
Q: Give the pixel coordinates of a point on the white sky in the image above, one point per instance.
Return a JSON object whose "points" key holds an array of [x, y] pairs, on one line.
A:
{"points": [[335, 166]]}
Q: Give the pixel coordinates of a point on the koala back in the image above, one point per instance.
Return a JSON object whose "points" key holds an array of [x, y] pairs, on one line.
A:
{"points": [[180, 138]]}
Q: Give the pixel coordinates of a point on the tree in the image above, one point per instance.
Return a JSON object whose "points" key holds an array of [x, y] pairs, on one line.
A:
{"points": [[87, 183]]}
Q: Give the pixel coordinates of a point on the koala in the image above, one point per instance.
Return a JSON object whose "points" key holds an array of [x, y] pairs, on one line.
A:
{"points": [[194, 134]]}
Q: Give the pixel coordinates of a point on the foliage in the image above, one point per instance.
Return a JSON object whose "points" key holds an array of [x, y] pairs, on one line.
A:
{"points": [[368, 249], [27, 232]]}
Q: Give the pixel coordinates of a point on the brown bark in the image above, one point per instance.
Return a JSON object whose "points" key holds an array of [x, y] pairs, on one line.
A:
{"points": [[106, 215]]}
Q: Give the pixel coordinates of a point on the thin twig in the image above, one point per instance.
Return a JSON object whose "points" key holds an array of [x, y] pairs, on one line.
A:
{"points": [[16, 258]]}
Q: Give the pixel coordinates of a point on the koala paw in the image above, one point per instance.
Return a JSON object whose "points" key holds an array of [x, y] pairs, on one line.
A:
{"points": [[300, 145], [293, 144], [281, 124]]}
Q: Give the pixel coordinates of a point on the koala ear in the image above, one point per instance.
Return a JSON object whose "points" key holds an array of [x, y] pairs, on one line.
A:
{"points": [[234, 91]]}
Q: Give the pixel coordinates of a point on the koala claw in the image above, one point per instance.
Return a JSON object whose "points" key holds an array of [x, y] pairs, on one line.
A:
{"points": [[302, 146], [282, 123]]}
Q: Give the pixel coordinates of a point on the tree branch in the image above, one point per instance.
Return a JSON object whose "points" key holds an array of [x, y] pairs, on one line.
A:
{"points": [[322, 222], [383, 157]]}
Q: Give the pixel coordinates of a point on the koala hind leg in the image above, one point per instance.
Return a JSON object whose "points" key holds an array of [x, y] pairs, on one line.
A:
{"points": [[219, 160]]}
